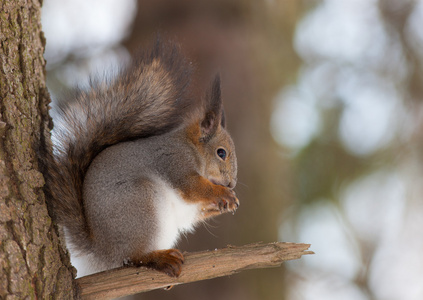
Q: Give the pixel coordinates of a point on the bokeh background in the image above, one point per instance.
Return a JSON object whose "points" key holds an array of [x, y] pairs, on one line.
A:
{"points": [[324, 99]]}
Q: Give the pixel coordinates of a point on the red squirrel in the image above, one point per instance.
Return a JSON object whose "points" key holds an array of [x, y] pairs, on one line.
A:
{"points": [[137, 162]]}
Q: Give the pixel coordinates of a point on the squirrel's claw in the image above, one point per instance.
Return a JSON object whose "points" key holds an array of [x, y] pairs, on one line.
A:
{"points": [[167, 261], [226, 203]]}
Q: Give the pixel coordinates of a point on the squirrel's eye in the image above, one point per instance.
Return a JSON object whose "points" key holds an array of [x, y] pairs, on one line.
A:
{"points": [[221, 153]]}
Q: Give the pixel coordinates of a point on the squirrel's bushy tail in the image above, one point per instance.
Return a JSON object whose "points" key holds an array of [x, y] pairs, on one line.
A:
{"points": [[148, 98]]}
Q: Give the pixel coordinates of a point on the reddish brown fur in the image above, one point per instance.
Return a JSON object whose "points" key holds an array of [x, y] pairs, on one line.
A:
{"points": [[214, 198], [168, 261]]}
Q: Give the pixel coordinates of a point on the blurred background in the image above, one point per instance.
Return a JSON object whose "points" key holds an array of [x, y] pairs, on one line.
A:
{"points": [[324, 100]]}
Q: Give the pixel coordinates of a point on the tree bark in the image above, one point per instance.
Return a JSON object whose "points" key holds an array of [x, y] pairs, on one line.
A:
{"points": [[198, 266], [32, 262]]}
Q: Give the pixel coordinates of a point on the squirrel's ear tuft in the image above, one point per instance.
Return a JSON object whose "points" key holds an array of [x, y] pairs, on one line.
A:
{"points": [[223, 119], [213, 111]]}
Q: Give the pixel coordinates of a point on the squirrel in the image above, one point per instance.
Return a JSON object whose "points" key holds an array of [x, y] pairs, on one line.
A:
{"points": [[137, 162]]}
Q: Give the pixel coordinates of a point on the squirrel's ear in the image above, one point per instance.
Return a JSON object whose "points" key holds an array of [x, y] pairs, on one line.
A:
{"points": [[223, 119], [213, 112]]}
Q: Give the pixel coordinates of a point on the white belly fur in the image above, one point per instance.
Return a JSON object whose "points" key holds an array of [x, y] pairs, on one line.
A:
{"points": [[175, 216]]}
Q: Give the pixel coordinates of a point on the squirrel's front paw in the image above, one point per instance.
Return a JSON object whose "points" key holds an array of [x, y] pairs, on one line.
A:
{"points": [[229, 202], [225, 202]]}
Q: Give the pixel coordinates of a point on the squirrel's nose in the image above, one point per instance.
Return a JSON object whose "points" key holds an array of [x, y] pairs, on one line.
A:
{"points": [[228, 183]]}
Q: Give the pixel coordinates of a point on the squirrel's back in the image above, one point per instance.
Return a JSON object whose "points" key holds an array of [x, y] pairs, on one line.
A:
{"points": [[148, 98]]}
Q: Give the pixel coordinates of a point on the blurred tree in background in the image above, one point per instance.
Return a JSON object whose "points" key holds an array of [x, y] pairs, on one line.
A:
{"points": [[352, 124], [323, 99]]}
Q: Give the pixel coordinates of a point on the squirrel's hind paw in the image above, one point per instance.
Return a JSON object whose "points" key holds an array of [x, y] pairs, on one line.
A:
{"points": [[167, 261]]}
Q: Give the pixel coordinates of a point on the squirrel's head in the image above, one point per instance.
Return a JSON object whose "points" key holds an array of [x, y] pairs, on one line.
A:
{"points": [[214, 142]]}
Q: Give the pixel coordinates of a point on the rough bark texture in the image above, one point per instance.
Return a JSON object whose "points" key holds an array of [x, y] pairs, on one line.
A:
{"points": [[198, 266], [31, 258]]}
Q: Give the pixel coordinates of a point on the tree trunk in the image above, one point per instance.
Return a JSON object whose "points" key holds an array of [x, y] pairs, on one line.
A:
{"points": [[32, 262]]}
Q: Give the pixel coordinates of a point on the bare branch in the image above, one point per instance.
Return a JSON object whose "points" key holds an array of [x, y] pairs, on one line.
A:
{"points": [[198, 266]]}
